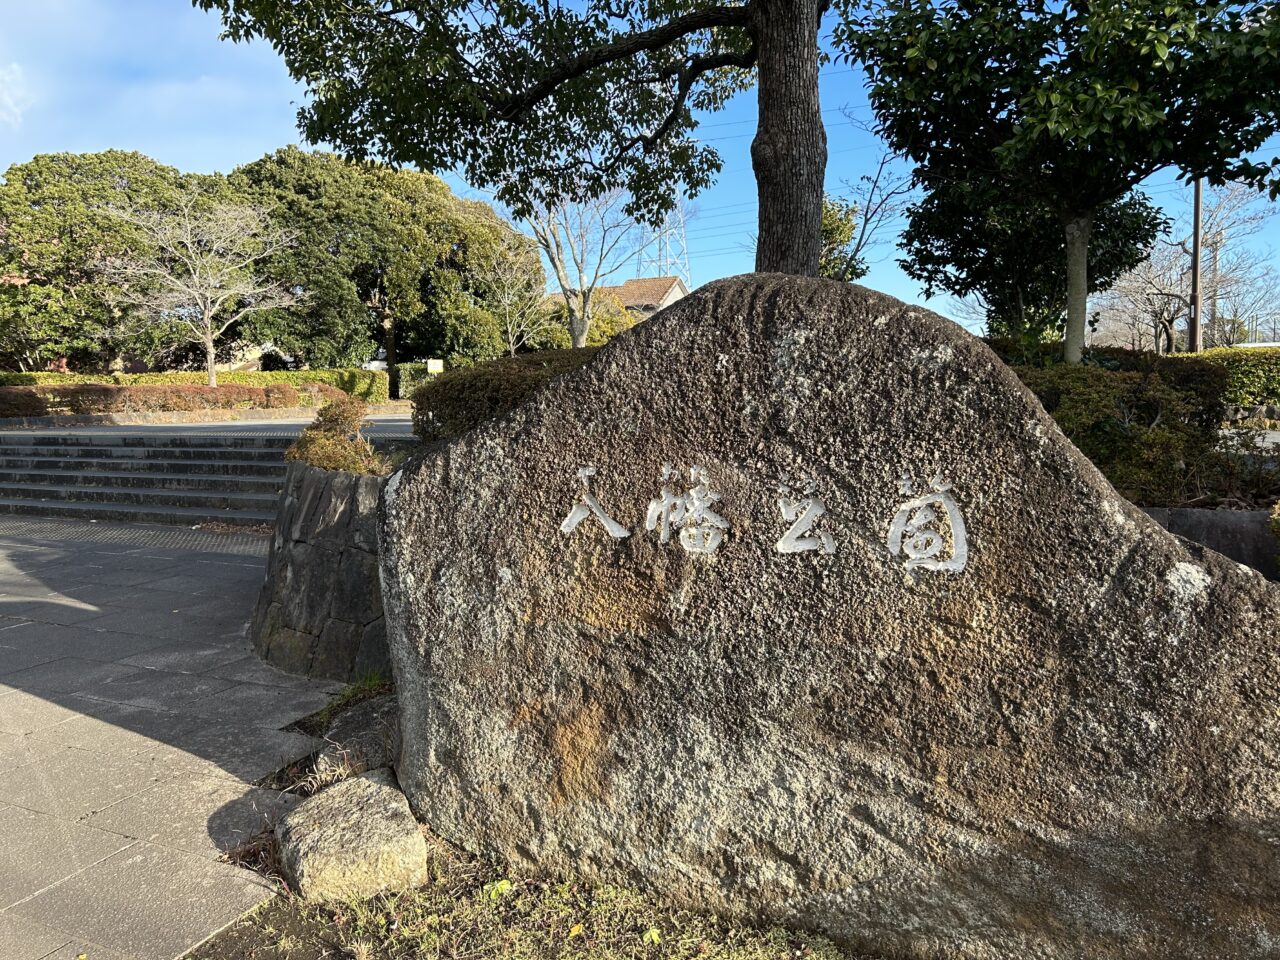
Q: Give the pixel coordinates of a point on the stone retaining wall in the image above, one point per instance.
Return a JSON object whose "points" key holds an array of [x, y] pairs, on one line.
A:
{"points": [[1242, 535], [320, 609]]}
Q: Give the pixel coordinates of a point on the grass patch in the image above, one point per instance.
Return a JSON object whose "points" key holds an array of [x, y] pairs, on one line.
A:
{"points": [[472, 911], [366, 688]]}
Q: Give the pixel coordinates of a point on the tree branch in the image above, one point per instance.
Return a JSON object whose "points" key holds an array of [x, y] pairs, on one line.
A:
{"points": [[517, 105]]}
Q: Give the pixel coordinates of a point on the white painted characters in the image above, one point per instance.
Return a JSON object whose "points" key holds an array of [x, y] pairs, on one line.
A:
{"points": [[701, 529], [916, 531], [802, 513], [588, 506], [928, 530]]}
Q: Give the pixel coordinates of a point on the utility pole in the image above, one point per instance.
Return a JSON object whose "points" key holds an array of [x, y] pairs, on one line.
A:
{"points": [[1195, 335], [1211, 330]]}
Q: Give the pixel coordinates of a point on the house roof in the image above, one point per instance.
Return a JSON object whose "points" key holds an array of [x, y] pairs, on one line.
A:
{"points": [[645, 291], [638, 294]]}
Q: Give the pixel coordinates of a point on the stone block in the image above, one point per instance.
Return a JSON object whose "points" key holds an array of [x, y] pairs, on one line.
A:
{"points": [[335, 650], [364, 738], [353, 840], [320, 608], [356, 594]]}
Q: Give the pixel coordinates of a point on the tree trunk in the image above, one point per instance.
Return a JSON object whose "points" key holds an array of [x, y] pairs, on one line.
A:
{"points": [[579, 322], [1077, 229], [211, 362], [789, 153]]}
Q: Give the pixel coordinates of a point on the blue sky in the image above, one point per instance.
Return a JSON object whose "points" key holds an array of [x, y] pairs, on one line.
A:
{"points": [[153, 76]]}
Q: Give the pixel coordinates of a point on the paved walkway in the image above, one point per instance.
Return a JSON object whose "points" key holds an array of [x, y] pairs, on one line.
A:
{"points": [[134, 721]]}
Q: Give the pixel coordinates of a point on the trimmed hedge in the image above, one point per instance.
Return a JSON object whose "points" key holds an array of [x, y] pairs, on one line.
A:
{"points": [[1253, 373], [410, 376], [95, 398], [371, 385], [453, 402], [1153, 434]]}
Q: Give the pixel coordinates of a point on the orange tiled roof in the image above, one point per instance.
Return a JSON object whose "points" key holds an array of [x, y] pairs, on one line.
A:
{"points": [[634, 294], [643, 291]]}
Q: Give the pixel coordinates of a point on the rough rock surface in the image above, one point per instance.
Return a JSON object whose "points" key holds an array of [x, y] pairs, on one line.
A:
{"points": [[1060, 743], [319, 612], [363, 738], [353, 840]]}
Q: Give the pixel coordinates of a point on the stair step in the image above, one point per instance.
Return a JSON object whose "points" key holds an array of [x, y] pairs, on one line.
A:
{"points": [[128, 513], [144, 440], [268, 486], [121, 452], [140, 496], [256, 468], [144, 476]]}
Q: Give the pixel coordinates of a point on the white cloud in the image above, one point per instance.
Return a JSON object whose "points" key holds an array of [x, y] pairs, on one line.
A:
{"points": [[14, 97]]}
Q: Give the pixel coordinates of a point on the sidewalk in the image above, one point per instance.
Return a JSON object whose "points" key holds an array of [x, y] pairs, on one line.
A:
{"points": [[134, 722]]}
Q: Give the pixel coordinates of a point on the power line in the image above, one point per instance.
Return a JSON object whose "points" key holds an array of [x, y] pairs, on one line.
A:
{"points": [[740, 136], [734, 123]]}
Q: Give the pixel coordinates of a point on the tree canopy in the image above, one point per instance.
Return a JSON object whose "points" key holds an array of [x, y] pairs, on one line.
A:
{"points": [[378, 258], [840, 258], [1069, 105], [553, 103], [973, 240], [56, 232]]}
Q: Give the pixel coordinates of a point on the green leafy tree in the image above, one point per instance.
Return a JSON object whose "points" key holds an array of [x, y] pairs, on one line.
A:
{"points": [[452, 240], [548, 103], [388, 258], [1069, 105], [56, 232], [343, 242], [972, 240], [840, 258]]}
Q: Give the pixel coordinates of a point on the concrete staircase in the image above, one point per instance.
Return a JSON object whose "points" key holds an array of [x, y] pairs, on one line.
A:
{"points": [[143, 477]]}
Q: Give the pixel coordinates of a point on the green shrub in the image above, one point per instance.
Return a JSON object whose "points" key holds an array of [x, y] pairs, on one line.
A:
{"points": [[410, 376], [1253, 373], [372, 385], [334, 442], [1155, 442], [457, 400]]}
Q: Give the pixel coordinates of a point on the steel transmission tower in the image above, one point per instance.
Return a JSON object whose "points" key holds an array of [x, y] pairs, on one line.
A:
{"points": [[666, 250]]}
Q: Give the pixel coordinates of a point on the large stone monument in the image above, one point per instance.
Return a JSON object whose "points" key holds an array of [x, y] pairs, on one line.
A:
{"points": [[795, 605]]}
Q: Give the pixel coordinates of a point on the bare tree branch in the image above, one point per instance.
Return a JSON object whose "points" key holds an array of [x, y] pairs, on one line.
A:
{"points": [[585, 243], [202, 269]]}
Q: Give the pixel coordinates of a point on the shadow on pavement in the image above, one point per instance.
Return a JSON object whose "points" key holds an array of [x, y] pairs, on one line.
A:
{"points": [[135, 720]]}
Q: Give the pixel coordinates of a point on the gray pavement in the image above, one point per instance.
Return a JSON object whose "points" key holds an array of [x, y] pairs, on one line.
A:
{"points": [[134, 723]]}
